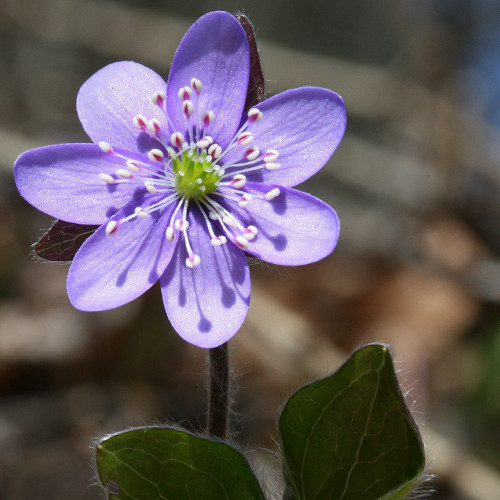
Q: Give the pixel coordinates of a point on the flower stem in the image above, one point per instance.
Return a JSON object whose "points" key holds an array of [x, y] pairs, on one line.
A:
{"points": [[218, 402]]}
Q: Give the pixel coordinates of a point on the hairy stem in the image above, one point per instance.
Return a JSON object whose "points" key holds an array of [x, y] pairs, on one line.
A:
{"points": [[218, 402]]}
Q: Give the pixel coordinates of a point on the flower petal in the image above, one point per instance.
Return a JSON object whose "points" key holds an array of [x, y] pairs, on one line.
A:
{"points": [[294, 228], [304, 125], [214, 50], [206, 305], [109, 271], [108, 101], [63, 181]]}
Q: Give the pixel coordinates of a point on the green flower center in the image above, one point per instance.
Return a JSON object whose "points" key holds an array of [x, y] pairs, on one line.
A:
{"points": [[195, 176]]}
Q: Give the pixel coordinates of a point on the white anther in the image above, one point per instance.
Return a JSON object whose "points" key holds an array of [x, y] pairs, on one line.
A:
{"points": [[188, 108], [270, 156], [184, 93], [272, 166], [106, 147], [133, 166], [245, 138], [155, 155], [215, 151], [252, 153], [170, 234], [228, 221], [272, 194], [241, 242], [212, 214], [193, 261], [141, 213], [121, 172], [239, 180], [158, 98], [111, 227], [250, 233], [107, 178], [255, 115], [177, 139], [208, 117], [244, 201], [154, 126], [218, 241], [140, 122], [181, 224], [204, 142], [196, 85], [150, 187], [199, 181]]}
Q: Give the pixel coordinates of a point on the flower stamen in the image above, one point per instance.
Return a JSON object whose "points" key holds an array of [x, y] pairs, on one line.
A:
{"points": [[184, 93], [107, 178], [140, 122], [106, 148], [112, 227], [159, 98]]}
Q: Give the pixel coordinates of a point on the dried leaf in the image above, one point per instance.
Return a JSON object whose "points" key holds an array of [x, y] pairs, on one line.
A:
{"points": [[61, 242]]}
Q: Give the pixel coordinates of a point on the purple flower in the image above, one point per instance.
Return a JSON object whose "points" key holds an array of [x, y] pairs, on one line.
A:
{"points": [[183, 182]]}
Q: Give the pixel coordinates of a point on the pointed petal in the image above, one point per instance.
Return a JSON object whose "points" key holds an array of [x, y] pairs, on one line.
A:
{"points": [[206, 305], [214, 50], [109, 271], [63, 181], [304, 125], [294, 228], [108, 101]]}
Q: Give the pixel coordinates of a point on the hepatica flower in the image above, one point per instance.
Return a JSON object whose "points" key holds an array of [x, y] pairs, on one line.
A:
{"points": [[183, 182]]}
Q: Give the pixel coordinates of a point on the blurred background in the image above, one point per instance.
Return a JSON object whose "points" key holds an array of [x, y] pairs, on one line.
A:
{"points": [[416, 184]]}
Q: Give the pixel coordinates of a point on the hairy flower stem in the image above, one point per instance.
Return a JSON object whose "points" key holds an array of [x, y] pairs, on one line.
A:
{"points": [[218, 402]]}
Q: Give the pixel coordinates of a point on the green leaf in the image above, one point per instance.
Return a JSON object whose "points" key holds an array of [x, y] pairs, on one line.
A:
{"points": [[164, 463], [350, 435]]}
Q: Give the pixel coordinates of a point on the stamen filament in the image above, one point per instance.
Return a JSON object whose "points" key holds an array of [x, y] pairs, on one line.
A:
{"points": [[177, 208]]}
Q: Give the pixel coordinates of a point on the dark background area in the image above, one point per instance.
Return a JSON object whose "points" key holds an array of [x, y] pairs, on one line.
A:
{"points": [[415, 182]]}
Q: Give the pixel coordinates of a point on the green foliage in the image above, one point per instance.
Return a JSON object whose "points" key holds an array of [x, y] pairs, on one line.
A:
{"points": [[350, 435], [164, 463]]}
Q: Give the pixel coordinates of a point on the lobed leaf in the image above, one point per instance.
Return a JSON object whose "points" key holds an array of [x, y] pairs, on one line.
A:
{"points": [[350, 436], [157, 463]]}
